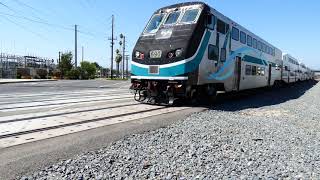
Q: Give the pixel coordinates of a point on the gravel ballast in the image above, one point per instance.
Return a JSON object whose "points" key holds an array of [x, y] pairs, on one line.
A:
{"points": [[273, 134]]}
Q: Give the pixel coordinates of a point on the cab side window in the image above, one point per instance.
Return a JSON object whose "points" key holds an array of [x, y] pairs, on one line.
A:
{"points": [[213, 52], [211, 22], [222, 27]]}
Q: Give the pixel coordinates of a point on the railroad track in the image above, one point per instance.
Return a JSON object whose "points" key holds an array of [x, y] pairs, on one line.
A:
{"points": [[26, 118]]}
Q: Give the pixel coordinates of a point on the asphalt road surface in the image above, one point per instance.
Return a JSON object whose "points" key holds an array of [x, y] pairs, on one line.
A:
{"points": [[44, 122]]}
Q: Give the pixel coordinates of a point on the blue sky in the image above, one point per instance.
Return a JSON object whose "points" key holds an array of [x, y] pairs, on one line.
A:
{"points": [[291, 25]]}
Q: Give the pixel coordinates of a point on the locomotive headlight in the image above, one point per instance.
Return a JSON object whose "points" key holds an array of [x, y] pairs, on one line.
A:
{"points": [[142, 56], [137, 54], [170, 55], [178, 52]]}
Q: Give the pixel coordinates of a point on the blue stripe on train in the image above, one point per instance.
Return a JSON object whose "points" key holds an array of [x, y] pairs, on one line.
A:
{"points": [[227, 69], [254, 60]]}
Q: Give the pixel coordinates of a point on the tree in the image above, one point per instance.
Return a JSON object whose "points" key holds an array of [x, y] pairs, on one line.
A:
{"points": [[42, 73], [56, 74], [65, 63], [104, 72], [118, 60], [107, 71], [114, 71], [88, 70], [97, 65], [22, 73], [74, 73]]}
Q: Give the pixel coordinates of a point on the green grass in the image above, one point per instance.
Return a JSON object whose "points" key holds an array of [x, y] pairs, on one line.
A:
{"points": [[117, 79]]}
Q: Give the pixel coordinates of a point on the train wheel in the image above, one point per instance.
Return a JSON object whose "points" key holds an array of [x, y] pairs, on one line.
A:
{"points": [[211, 93], [194, 97]]}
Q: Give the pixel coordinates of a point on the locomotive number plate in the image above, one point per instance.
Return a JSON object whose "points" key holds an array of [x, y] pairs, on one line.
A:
{"points": [[155, 54]]}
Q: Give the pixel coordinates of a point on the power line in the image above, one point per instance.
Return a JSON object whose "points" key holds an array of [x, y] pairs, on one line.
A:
{"points": [[48, 24], [7, 7], [44, 22], [21, 15], [15, 11], [90, 5], [24, 27], [36, 21], [28, 6], [93, 32]]}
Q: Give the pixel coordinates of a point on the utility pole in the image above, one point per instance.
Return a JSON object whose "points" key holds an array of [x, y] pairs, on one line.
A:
{"points": [[59, 59], [82, 54], [112, 45], [76, 45], [127, 66], [123, 52]]}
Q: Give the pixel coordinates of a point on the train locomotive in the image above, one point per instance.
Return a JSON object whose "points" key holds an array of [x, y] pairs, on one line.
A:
{"points": [[190, 50]]}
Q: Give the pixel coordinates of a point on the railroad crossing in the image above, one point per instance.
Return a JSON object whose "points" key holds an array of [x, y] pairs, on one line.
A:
{"points": [[34, 115]]}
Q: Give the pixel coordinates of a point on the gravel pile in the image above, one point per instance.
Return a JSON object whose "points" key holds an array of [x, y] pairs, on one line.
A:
{"points": [[278, 140]]}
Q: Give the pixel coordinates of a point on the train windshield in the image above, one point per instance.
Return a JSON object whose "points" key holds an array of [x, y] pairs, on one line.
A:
{"points": [[190, 16], [154, 23], [173, 18]]}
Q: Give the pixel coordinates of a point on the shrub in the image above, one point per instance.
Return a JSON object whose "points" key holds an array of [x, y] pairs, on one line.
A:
{"points": [[88, 70], [23, 72], [73, 74], [42, 73], [56, 73]]}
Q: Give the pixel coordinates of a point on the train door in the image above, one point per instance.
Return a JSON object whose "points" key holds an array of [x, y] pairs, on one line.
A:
{"points": [[289, 74], [269, 75], [237, 74]]}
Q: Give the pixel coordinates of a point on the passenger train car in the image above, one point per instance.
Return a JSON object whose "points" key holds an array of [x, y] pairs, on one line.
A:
{"points": [[190, 50], [290, 73], [294, 71]]}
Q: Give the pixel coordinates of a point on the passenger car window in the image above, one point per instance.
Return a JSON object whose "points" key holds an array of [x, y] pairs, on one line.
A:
{"points": [[259, 46], [190, 16], [254, 43], [235, 33], [273, 52], [249, 41], [254, 70], [154, 23], [243, 38], [173, 17], [286, 68], [213, 52], [248, 70], [263, 47]]}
